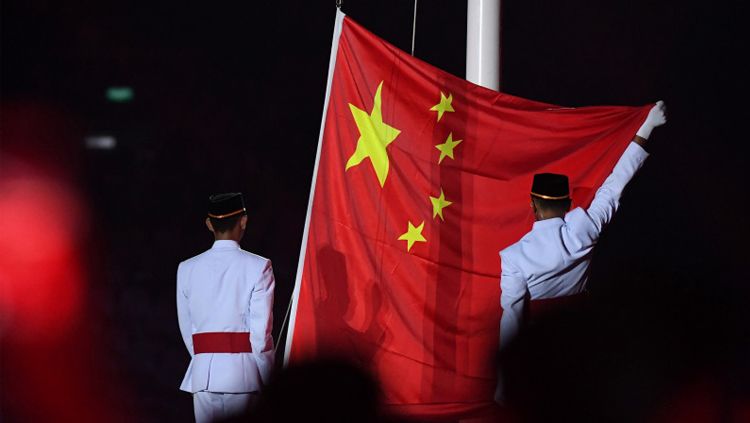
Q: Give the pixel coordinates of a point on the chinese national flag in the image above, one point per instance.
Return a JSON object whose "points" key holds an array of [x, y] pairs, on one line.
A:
{"points": [[421, 179]]}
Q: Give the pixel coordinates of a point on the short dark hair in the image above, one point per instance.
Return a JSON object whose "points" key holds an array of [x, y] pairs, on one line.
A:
{"points": [[226, 224], [558, 206]]}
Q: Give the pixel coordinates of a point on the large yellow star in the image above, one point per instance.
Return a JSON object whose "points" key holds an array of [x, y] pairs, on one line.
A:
{"points": [[412, 235], [438, 204], [374, 136], [446, 148], [443, 106]]}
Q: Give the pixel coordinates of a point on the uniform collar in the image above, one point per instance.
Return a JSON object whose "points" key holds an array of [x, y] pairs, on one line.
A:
{"points": [[225, 244], [548, 223]]}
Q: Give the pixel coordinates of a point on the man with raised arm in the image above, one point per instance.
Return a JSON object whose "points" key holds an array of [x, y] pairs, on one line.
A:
{"points": [[225, 313], [552, 260]]}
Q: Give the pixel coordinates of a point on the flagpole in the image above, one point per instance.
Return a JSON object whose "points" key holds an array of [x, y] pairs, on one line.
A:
{"points": [[483, 43], [414, 28], [303, 248]]}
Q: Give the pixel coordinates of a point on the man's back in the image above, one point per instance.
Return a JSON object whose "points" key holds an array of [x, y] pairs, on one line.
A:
{"points": [[553, 258], [227, 290], [221, 281]]}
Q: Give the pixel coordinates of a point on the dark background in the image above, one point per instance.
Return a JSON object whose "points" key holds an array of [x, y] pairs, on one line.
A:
{"points": [[229, 96]]}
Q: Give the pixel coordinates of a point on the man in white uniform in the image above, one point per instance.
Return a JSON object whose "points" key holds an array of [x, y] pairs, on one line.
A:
{"points": [[552, 260], [224, 309]]}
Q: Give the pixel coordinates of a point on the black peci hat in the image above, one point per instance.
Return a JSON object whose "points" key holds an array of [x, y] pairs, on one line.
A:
{"points": [[221, 206], [550, 186]]}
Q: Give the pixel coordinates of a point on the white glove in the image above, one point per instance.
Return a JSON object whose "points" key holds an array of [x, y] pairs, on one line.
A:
{"points": [[656, 117]]}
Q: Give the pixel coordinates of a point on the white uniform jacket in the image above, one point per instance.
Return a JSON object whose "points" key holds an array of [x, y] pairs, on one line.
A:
{"points": [[227, 289], [552, 260]]}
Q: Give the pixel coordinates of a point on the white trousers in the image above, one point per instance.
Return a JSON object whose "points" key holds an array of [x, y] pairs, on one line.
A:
{"points": [[216, 407]]}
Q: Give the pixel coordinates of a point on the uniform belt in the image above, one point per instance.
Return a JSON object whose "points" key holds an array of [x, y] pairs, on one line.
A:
{"points": [[222, 342]]}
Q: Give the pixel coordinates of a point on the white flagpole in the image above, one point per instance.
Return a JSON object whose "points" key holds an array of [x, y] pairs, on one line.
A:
{"points": [[295, 295], [483, 43]]}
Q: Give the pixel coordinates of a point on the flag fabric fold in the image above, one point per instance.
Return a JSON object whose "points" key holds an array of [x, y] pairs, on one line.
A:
{"points": [[421, 179]]}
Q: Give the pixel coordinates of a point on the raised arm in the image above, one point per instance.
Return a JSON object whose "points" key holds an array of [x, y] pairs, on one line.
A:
{"points": [[607, 198]]}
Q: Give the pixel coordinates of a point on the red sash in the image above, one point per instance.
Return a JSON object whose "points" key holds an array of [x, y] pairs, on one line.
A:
{"points": [[222, 342]]}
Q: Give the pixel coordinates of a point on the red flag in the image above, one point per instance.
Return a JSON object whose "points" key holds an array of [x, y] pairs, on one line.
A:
{"points": [[421, 179]]}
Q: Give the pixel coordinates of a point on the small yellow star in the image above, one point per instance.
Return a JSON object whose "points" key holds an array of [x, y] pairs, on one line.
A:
{"points": [[438, 204], [412, 235], [374, 137], [446, 148], [443, 106]]}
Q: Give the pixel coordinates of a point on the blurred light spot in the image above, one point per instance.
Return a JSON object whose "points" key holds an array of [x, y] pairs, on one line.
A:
{"points": [[101, 142], [120, 94], [54, 363], [40, 274]]}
